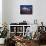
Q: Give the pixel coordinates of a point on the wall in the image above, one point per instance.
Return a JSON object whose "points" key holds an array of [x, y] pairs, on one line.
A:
{"points": [[12, 11], [0, 13], [15, 13], [4, 11]]}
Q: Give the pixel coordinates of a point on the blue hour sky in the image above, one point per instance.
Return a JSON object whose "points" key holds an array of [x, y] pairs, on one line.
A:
{"points": [[27, 6]]}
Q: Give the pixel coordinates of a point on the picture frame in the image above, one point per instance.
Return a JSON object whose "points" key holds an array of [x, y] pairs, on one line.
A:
{"points": [[26, 9]]}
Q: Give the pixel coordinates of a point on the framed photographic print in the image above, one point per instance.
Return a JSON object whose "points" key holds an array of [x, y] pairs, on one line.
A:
{"points": [[25, 9]]}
